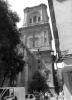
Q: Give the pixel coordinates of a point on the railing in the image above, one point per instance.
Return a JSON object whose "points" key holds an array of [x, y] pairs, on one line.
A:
{"points": [[2, 93], [37, 23], [9, 95]]}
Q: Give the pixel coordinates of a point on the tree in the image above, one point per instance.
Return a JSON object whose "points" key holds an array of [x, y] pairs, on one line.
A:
{"points": [[10, 62], [38, 83]]}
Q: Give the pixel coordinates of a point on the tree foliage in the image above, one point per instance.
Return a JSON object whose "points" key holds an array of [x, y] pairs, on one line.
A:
{"points": [[10, 61], [38, 83]]}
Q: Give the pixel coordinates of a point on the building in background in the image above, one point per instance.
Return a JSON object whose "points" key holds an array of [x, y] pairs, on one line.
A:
{"points": [[30, 67], [36, 35], [63, 17]]}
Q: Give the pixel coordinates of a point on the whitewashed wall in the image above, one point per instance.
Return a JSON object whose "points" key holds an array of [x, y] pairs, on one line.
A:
{"points": [[63, 15]]}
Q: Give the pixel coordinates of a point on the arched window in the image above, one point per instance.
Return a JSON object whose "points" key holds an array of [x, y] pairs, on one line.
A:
{"points": [[45, 36], [34, 19], [39, 19], [30, 20]]}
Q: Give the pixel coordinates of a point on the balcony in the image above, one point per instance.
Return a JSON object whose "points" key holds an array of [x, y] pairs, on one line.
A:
{"points": [[33, 24]]}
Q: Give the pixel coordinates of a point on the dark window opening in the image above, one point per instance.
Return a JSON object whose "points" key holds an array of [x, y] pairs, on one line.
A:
{"points": [[45, 37], [34, 19], [31, 96], [26, 96], [38, 19], [39, 67], [30, 20]]}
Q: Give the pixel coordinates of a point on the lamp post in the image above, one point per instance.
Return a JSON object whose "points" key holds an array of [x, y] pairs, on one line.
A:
{"points": [[53, 24]]}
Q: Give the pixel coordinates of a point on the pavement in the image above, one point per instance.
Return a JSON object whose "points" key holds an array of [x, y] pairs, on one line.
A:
{"points": [[53, 98]]}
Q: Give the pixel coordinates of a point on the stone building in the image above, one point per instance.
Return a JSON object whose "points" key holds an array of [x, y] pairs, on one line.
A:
{"points": [[31, 65], [36, 35], [24, 76]]}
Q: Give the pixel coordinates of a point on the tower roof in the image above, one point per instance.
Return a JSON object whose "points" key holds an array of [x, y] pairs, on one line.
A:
{"points": [[27, 9], [35, 15]]}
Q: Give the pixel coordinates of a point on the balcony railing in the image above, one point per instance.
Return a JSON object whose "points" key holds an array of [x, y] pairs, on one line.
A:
{"points": [[37, 23]]}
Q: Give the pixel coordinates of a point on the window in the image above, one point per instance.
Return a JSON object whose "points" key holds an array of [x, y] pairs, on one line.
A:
{"points": [[26, 96], [30, 20], [29, 42], [34, 19], [45, 37], [38, 19], [31, 96]]}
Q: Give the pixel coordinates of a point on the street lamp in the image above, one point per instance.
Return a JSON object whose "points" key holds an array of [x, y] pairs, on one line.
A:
{"points": [[53, 24]]}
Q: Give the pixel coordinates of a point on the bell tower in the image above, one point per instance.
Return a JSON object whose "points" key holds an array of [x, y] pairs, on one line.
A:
{"points": [[35, 15], [36, 35]]}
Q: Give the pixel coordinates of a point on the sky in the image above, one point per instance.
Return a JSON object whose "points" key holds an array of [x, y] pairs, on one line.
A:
{"points": [[20, 5]]}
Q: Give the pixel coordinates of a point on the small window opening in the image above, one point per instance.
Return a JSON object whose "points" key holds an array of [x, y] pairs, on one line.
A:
{"points": [[38, 19], [30, 20], [45, 37], [34, 19], [26, 96], [31, 96]]}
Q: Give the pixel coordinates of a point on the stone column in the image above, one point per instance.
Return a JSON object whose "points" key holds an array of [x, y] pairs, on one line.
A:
{"points": [[26, 78]]}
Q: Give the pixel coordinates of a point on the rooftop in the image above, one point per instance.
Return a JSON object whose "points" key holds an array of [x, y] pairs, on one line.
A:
{"points": [[30, 8]]}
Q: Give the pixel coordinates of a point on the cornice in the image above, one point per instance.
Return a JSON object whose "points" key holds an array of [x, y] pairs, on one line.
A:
{"points": [[35, 26]]}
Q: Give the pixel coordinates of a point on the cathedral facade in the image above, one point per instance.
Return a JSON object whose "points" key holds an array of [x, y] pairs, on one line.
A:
{"points": [[36, 35]]}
